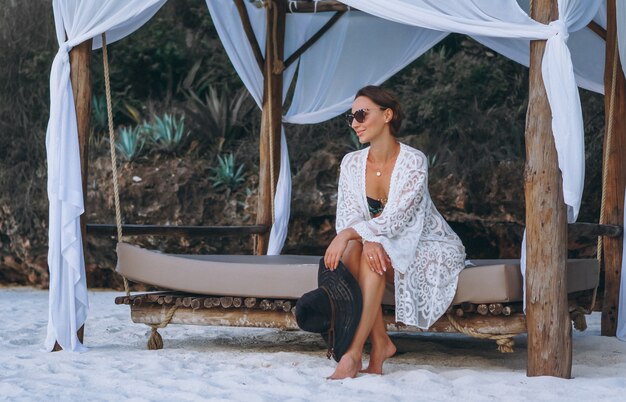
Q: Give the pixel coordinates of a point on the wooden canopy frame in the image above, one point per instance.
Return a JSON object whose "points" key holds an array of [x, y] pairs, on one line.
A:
{"points": [[547, 317]]}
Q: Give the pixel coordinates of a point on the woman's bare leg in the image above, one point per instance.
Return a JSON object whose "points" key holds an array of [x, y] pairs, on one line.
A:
{"points": [[351, 258], [382, 346], [372, 288]]}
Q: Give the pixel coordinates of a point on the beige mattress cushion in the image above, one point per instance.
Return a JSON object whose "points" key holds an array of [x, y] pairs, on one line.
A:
{"points": [[290, 276]]}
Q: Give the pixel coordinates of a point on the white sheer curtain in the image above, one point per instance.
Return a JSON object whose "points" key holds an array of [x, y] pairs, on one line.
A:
{"points": [[361, 49], [587, 48], [78, 21]]}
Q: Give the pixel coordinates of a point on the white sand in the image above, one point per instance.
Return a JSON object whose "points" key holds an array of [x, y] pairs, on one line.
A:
{"points": [[219, 363]]}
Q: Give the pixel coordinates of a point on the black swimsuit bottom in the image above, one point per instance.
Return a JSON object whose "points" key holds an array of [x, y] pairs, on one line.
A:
{"points": [[375, 206]]}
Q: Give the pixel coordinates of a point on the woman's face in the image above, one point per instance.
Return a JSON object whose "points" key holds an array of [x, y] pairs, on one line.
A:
{"points": [[375, 122]]}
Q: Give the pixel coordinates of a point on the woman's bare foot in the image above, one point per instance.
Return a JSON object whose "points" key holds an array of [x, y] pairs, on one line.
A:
{"points": [[348, 367], [378, 355]]}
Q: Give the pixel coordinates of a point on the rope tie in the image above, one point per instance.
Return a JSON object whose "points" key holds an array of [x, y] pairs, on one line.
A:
{"points": [[116, 191], [561, 29], [156, 341], [577, 315], [504, 341]]}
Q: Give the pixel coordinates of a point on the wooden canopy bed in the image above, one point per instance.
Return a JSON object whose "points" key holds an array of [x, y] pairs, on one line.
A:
{"points": [[497, 317]]}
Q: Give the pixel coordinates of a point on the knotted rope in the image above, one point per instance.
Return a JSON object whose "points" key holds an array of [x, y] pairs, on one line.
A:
{"points": [[116, 191], [155, 341], [504, 341]]}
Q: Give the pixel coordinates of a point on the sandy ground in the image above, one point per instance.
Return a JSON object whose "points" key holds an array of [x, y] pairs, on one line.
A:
{"points": [[242, 364]]}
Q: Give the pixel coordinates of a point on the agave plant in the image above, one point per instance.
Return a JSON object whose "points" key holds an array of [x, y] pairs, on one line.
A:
{"points": [[221, 115], [167, 133], [226, 177], [99, 116], [129, 143]]}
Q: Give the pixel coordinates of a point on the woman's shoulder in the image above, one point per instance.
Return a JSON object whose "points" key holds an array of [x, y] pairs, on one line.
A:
{"points": [[417, 157], [354, 156]]}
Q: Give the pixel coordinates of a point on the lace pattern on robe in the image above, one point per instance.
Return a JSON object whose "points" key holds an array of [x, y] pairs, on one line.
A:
{"points": [[426, 254]]}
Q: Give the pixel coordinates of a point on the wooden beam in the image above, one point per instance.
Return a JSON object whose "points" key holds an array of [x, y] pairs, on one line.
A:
{"points": [[548, 322], [247, 28], [312, 7], [581, 235], [110, 229], [615, 170], [597, 29], [154, 313], [80, 77], [271, 117], [313, 38]]}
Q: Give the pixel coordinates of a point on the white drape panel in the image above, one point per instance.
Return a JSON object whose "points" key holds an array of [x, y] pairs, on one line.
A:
{"points": [[230, 30], [587, 47], [80, 21], [360, 49]]}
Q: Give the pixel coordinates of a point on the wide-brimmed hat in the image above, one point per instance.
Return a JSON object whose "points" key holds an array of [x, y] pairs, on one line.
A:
{"points": [[333, 309]]}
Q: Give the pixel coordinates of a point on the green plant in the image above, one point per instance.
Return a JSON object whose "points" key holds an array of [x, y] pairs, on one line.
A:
{"points": [[220, 115], [226, 177], [130, 142], [432, 160], [167, 133], [99, 115]]}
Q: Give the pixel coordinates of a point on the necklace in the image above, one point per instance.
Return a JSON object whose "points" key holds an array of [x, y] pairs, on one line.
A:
{"points": [[379, 170]]}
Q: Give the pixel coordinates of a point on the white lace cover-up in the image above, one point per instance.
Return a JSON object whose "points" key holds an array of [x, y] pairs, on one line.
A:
{"points": [[426, 254]]}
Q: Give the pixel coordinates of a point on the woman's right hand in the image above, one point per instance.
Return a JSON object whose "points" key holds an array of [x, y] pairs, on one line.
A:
{"points": [[335, 250]]}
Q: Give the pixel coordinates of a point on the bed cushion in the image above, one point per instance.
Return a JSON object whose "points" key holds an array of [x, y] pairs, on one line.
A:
{"points": [[290, 276]]}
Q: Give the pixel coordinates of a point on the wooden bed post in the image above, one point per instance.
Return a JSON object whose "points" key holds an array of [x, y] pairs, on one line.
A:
{"points": [[80, 76], [271, 118], [615, 171], [548, 323]]}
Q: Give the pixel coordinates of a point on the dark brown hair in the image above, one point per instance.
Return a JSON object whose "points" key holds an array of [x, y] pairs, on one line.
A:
{"points": [[384, 98]]}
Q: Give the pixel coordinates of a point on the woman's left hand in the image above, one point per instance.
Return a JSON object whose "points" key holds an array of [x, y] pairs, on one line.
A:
{"points": [[335, 250], [377, 257]]}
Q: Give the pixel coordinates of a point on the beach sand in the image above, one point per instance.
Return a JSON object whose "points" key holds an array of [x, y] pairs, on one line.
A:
{"points": [[244, 364]]}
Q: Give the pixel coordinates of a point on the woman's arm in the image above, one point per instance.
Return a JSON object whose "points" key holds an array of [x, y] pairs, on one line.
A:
{"points": [[348, 213]]}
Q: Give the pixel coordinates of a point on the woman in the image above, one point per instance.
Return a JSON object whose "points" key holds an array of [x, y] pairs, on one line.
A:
{"points": [[388, 230]]}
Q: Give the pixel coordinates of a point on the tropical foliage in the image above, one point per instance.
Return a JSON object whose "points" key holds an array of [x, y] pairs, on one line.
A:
{"points": [[227, 176]]}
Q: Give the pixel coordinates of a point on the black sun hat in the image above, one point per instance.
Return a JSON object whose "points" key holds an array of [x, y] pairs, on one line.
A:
{"points": [[333, 309]]}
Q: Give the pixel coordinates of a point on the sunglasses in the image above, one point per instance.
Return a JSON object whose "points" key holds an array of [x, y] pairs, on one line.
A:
{"points": [[359, 115]]}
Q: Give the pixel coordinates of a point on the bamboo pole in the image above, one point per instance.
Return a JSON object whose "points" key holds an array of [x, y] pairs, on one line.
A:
{"points": [[271, 117], [614, 171], [80, 76], [549, 328]]}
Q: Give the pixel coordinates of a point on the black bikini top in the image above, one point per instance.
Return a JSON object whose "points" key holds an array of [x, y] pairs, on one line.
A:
{"points": [[375, 206]]}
